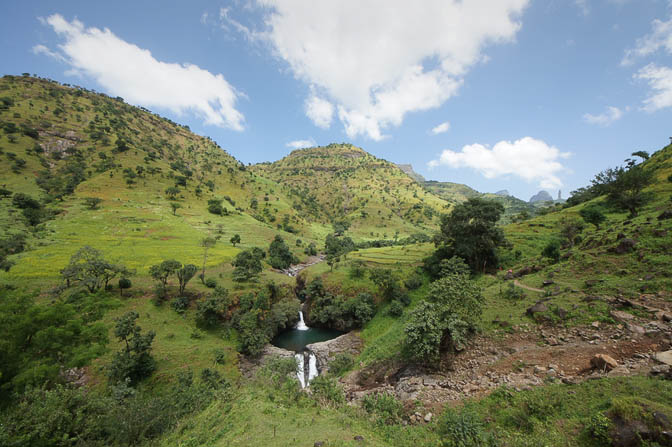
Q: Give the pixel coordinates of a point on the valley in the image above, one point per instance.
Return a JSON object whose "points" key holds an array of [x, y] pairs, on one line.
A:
{"points": [[155, 291]]}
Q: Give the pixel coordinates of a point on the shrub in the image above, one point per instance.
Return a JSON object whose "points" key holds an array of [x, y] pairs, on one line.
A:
{"points": [[213, 308], [512, 293], [180, 304], [327, 391], [211, 283], [463, 428], [124, 283], [384, 406], [396, 309], [552, 250], [134, 362], [341, 363], [413, 282]]}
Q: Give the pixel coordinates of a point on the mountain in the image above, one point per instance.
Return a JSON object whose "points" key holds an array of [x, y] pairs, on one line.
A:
{"points": [[342, 181], [541, 196], [408, 170], [503, 193]]}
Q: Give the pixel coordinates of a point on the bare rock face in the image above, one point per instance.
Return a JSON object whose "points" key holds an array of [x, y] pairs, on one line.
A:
{"points": [[325, 351], [603, 362], [664, 357]]}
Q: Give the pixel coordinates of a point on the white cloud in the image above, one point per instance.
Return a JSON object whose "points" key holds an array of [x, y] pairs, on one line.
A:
{"points": [[378, 60], [660, 82], [441, 128], [300, 144], [527, 158], [41, 49], [583, 6], [604, 119], [204, 18], [126, 70], [659, 38], [320, 111]]}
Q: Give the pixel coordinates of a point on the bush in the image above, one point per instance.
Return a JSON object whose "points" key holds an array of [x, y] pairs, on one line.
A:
{"points": [[180, 304], [463, 428], [414, 281], [341, 363], [213, 308], [396, 309], [512, 293], [552, 250], [134, 362], [327, 391], [384, 406], [211, 283]]}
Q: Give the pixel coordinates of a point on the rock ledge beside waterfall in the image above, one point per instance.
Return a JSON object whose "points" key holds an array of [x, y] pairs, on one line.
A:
{"points": [[325, 351]]}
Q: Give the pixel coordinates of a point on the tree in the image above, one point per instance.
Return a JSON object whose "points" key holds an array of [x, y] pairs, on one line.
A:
{"points": [[134, 362], [387, 282], [453, 309], [213, 308], [124, 283], [235, 239], [593, 215], [335, 246], [172, 192], [247, 265], [215, 207], [175, 206], [279, 255], [92, 203], [161, 273], [552, 250], [207, 243], [184, 275], [87, 267], [469, 232], [570, 228], [624, 186]]}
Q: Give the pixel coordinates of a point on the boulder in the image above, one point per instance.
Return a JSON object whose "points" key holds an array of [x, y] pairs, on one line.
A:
{"points": [[603, 362], [325, 351], [359, 438], [428, 417], [624, 246], [664, 357], [621, 316], [537, 308]]}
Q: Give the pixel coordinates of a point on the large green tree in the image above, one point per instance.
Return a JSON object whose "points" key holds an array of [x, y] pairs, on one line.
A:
{"points": [[88, 268], [470, 232], [279, 255], [134, 362]]}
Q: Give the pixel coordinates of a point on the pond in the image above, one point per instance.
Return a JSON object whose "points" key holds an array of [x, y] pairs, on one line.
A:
{"points": [[296, 339]]}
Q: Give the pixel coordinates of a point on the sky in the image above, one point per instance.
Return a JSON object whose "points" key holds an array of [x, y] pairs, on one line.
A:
{"points": [[519, 95]]}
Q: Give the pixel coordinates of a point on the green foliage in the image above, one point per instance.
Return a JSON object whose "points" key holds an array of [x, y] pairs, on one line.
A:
{"points": [[11, 245], [215, 207], [134, 362], [414, 281], [279, 255], [88, 268], [175, 206], [463, 428], [453, 266], [624, 186], [184, 275], [247, 265], [38, 341], [341, 363], [593, 215], [453, 309], [386, 409], [570, 228], [92, 203], [552, 250], [387, 281], [396, 309], [338, 311], [327, 391], [598, 428], [180, 304], [213, 308], [335, 245], [161, 273], [469, 232], [211, 283], [124, 283], [311, 249], [357, 269], [512, 293], [172, 192], [235, 239]]}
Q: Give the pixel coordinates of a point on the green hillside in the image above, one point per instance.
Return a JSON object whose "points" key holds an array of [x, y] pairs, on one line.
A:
{"points": [[341, 181]]}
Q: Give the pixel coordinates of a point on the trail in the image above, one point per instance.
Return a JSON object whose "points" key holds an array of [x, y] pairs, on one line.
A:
{"points": [[523, 286]]}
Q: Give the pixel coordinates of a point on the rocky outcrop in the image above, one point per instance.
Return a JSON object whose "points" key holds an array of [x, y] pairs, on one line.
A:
{"points": [[541, 196], [325, 351], [248, 365]]}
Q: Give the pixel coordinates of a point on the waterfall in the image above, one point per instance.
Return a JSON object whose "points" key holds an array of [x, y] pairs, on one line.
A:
{"points": [[312, 367], [300, 372], [301, 326]]}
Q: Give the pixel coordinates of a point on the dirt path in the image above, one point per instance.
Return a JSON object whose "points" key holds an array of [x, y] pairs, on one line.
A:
{"points": [[523, 286]]}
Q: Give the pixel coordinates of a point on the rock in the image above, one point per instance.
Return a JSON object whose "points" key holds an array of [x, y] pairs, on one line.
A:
{"points": [[428, 417], [359, 438], [547, 282], [603, 362], [660, 369], [621, 316], [318, 444], [625, 246], [635, 328], [595, 324], [667, 214], [537, 308], [539, 370], [619, 371], [325, 351], [664, 357]]}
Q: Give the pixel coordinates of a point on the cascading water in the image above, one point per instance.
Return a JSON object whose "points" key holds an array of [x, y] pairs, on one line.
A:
{"points": [[301, 326], [312, 367], [300, 372]]}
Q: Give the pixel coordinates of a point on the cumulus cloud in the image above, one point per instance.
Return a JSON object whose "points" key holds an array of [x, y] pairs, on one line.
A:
{"points": [[527, 158], [441, 128], [604, 119], [378, 60], [300, 144], [659, 38], [660, 82], [126, 70], [320, 111]]}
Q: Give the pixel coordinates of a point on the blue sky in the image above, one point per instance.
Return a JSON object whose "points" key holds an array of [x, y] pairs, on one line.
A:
{"points": [[498, 94]]}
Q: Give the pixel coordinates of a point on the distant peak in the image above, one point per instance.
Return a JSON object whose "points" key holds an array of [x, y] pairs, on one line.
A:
{"points": [[503, 193], [541, 196], [408, 170]]}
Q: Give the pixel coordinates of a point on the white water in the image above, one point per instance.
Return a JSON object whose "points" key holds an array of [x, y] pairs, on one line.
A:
{"points": [[312, 367], [301, 326], [300, 373]]}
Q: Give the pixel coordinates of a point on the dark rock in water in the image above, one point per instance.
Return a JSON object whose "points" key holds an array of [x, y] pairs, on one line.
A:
{"points": [[541, 196], [537, 308], [625, 246]]}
